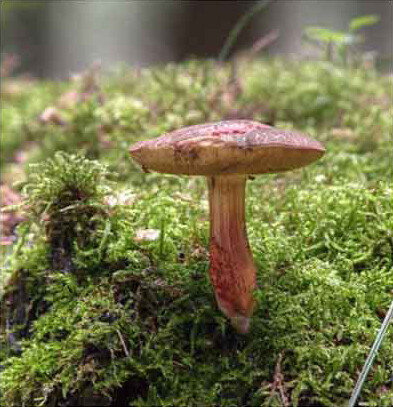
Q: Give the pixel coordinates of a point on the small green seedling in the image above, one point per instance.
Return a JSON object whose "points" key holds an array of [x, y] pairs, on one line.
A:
{"points": [[342, 43]]}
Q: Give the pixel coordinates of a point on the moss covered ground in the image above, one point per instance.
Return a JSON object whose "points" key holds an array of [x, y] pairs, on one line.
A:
{"points": [[106, 299]]}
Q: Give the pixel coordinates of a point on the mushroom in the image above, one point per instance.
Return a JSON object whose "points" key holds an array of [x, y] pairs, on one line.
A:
{"points": [[227, 153]]}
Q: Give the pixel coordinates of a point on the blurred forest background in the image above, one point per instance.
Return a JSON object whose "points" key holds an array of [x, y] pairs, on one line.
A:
{"points": [[104, 268], [55, 39]]}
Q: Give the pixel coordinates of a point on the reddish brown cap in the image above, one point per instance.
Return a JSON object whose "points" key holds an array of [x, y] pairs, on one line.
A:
{"points": [[228, 147]]}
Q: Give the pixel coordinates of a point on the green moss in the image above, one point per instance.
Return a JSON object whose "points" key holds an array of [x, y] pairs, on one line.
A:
{"points": [[134, 322], [21, 107]]}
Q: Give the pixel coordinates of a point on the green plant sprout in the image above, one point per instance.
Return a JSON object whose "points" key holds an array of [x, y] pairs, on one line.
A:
{"points": [[341, 42]]}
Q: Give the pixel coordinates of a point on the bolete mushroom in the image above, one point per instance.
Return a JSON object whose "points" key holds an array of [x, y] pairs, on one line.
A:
{"points": [[227, 153]]}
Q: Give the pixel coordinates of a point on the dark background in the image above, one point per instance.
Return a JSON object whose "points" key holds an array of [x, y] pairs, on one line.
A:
{"points": [[54, 39]]}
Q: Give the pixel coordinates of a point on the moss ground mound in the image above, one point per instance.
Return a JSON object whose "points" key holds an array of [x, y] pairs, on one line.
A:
{"points": [[95, 314]]}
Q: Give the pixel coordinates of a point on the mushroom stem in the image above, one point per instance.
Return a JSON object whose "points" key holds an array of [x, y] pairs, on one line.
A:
{"points": [[232, 270]]}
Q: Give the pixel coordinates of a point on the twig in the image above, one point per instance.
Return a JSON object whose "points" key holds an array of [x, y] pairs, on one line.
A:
{"points": [[278, 382], [242, 22], [265, 41], [123, 343]]}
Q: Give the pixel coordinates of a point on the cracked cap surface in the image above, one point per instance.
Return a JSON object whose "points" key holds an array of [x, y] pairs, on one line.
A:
{"points": [[227, 147]]}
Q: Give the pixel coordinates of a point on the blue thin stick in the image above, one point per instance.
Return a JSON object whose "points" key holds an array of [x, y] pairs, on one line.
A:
{"points": [[371, 357]]}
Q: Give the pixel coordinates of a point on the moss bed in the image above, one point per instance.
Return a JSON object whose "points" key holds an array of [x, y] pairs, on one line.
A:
{"points": [[98, 312]]}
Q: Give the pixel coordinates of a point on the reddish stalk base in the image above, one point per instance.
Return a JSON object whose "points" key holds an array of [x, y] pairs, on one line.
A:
{"points": [[232, 271]]}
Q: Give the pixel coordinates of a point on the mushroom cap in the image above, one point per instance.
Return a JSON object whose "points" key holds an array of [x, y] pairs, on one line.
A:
{"points": [[227, 147]]}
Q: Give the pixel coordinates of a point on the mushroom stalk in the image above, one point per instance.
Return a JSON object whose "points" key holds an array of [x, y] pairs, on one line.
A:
{"points": [[232, 271]]}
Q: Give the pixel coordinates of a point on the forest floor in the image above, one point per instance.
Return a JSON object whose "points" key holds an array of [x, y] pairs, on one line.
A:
{"points": [[106, 298]]}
